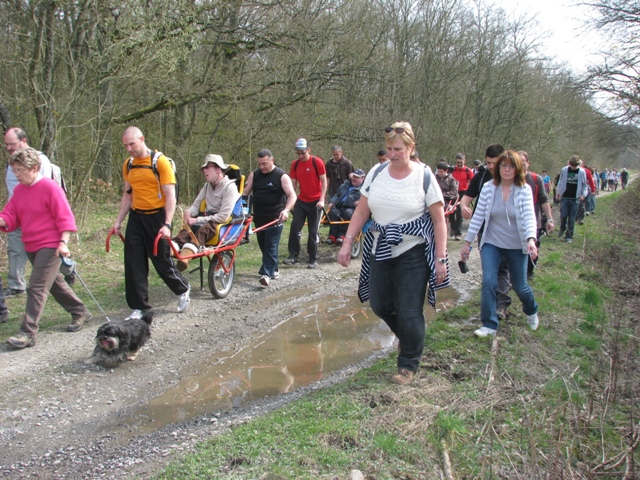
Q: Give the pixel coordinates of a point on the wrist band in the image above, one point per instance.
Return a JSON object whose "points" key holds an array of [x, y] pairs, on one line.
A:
{"points": [[168, 225], [63, 241], [348, 236]]}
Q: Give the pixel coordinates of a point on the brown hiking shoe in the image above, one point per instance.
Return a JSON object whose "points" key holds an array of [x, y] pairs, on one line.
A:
{"points": [[21, 340], [403, 377], [182, 265], [77, 323]]}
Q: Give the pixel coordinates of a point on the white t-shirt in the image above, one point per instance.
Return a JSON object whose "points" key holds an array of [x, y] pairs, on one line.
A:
{"points": [[400, 201]]}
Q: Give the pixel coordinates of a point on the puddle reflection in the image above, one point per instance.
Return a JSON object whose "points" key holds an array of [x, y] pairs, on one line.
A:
{"points": [[320, 340]]}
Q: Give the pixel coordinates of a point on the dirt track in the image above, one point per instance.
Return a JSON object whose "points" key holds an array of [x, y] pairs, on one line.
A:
{"points": [[56, 412]]}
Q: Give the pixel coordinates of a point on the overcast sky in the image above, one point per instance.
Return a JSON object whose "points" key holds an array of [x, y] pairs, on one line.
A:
{"points": [[569, 39]]}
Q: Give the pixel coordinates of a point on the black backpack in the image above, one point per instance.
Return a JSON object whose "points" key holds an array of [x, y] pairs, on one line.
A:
{"points": [[154, 168]]}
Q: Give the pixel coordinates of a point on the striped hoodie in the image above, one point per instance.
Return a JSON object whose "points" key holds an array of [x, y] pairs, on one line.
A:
{"points": [[525, 214]]}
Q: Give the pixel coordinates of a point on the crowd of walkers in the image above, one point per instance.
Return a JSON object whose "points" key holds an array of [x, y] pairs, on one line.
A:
{"points": [[410, 213]]}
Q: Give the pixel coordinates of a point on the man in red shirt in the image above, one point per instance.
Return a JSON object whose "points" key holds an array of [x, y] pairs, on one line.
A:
{"points": [[308, 174], [463, 175]]}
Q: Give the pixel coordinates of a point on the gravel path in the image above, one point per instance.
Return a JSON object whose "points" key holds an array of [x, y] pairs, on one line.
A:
{"points": [[57, 413]]}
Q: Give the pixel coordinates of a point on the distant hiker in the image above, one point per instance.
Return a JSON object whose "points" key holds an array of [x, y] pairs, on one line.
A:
{"points": [[463, 175], [572, 189]]}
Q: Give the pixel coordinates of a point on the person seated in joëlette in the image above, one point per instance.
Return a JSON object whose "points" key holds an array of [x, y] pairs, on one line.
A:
{"points": [[342, 205], [220, 194]]}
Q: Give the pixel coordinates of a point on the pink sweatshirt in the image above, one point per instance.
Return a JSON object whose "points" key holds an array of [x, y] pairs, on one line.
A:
{"points": [[43, 212]]}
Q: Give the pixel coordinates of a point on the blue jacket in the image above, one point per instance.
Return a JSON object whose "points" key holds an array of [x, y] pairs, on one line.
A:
{"points": [[352, 197]]}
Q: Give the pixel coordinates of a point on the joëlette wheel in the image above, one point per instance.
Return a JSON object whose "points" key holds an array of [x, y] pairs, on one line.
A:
{"points": [[356, 247], [221, 274]]}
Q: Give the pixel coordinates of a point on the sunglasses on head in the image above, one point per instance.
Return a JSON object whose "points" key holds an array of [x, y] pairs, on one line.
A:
{"points": [[398, 130]]}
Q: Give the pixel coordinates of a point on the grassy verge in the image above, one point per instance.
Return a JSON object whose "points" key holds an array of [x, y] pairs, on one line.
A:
{"points": [[560, 402]]}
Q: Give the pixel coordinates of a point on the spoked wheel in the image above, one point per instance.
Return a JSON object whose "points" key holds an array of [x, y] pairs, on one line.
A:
{"points": [[356, 246], [222, 271]]}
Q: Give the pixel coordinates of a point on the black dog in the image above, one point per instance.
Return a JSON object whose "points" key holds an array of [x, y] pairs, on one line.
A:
{"points": [[121, 341]]}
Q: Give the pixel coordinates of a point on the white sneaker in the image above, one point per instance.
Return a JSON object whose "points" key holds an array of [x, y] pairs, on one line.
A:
{"points": [[532, 320], [485, 332], [276, 275], [135, 315], [264, 280], [184, 301]]}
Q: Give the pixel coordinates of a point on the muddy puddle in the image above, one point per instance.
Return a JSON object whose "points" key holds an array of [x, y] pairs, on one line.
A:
{"points": [[302, 349]]}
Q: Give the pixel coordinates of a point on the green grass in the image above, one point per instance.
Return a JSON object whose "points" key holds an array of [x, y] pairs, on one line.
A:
{"points": [[544, 414]]}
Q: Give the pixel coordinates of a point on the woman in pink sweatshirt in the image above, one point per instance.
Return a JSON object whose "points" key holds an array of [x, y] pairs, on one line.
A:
{"points": [[39, 206]]}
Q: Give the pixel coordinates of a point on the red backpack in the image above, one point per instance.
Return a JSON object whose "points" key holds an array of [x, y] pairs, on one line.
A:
{"points": [[537, 189]]}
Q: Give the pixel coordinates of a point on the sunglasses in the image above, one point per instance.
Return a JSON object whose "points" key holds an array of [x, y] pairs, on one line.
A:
{"points": [[398, 130]]}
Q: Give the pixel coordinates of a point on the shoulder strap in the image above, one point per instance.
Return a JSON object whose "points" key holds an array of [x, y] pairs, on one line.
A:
{"points": [[154, 162], [381, 167], [312, 159], [537, 189], [426, 181]]}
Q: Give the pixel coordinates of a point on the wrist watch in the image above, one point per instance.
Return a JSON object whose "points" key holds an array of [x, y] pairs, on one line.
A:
{"points": [[442, 260]]}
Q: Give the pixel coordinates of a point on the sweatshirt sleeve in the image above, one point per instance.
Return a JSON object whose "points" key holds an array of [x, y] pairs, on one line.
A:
{"points": [[61, 210], [10, 216]]}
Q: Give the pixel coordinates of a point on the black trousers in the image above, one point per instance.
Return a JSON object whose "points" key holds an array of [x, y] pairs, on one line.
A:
{"points": [[455, 219], [305, 211], [140, 235]]}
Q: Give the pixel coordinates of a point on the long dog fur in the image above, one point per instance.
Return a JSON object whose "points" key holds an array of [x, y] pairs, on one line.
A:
{"points": [[121, 341]]}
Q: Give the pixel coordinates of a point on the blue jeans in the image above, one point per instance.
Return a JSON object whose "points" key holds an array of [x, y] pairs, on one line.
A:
{"points": [[269, 241], [491, 257], [398, 288], [591, 203], [568, 212]]}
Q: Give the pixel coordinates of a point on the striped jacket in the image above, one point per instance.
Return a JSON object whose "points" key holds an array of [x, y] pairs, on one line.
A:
{"points": [[525, 214]]}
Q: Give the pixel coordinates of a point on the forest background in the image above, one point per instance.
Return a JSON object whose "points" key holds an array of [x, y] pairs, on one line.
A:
{"points": [[232, 77]]}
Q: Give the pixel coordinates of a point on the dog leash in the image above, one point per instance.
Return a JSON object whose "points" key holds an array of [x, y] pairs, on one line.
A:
{"points": [[69, 266]]}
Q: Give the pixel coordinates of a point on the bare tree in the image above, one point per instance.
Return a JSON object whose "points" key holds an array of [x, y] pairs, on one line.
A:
{"points": [[619, 74]]}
